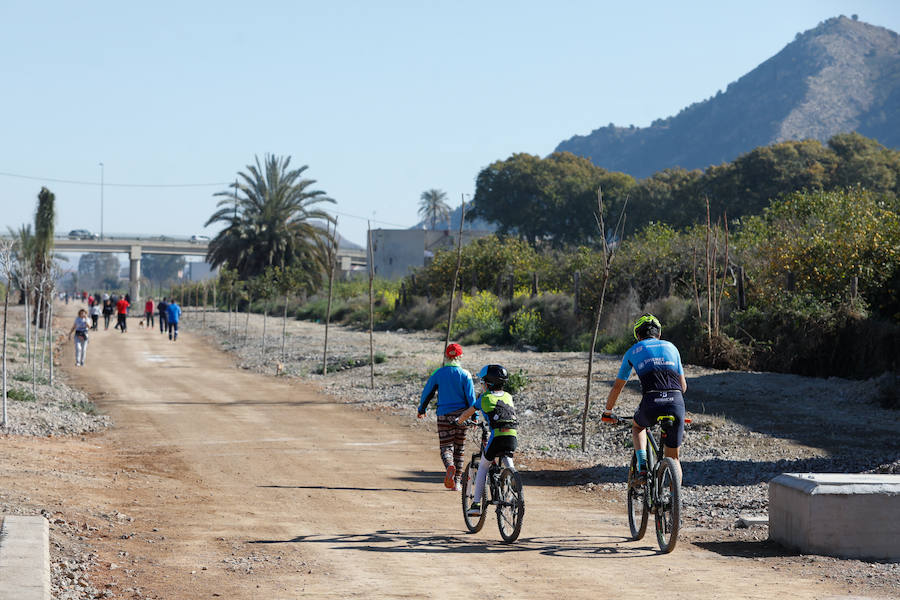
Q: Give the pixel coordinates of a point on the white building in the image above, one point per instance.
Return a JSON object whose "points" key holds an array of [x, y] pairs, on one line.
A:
{"points": [[397, 252]]}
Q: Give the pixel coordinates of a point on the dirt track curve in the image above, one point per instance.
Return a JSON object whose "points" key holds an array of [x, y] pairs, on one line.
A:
{"points": [[236, 485]]}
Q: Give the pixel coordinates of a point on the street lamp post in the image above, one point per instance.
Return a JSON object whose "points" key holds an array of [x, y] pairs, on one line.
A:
{"points": [[101, 201]]}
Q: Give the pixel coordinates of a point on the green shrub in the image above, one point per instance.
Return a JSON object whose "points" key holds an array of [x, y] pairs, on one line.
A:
{"points": [[559, 325], [420, 314], [526, 326], [20, 395], [25, 376], [478, 318], [87, 408], [518, 381]]}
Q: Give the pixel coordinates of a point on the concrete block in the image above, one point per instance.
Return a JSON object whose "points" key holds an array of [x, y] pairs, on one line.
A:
{"points": [[836, 514], [745, 521], [24, 558]]}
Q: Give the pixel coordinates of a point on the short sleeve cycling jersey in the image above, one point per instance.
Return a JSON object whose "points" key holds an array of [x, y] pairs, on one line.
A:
{"points": [[498, 406], [657, 364]]}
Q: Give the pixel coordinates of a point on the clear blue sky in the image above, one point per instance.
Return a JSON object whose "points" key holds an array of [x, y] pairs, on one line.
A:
{"points": [[382, 100]]}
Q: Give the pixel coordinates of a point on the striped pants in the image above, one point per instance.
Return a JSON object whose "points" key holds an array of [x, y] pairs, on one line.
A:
{"points": [[452, 441]]}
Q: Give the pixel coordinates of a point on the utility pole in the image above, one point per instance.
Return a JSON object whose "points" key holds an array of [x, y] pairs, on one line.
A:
{"points": [[101, 201]]}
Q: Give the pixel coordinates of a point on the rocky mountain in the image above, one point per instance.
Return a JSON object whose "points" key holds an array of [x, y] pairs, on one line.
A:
{"points": [[841, 76]]}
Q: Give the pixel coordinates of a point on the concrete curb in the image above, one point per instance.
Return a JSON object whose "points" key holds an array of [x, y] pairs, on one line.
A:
{"points": [[24, 558]]}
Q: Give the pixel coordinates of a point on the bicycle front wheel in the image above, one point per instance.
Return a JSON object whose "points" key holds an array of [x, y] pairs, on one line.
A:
{"points": [[473, 524], [510, 505], [638, 509], [668, 507]]}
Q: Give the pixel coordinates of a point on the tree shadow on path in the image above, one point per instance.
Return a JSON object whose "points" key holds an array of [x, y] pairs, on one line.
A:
{"points": [[418, 541]]}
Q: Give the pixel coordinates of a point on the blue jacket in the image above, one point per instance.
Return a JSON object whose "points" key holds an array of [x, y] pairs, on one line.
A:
{"points": [[454, 388], [173, 312]]}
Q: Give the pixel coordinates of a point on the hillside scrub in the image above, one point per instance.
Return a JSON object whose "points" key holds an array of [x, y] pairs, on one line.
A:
{"points": [[547, 201]]}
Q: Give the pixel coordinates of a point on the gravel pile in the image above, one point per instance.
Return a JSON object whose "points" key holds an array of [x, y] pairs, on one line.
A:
{"points": [[50, 410], [56, 410]]}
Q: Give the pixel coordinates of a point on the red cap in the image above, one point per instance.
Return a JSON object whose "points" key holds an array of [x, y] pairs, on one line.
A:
{"points": [[453, 351]]}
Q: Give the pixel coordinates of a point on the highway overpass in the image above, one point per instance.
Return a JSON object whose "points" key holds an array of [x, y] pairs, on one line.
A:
{"points": [[134, 247], [351, 259]]}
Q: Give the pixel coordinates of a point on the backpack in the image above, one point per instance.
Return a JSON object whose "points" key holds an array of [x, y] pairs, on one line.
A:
{"points": [[504, 414]]}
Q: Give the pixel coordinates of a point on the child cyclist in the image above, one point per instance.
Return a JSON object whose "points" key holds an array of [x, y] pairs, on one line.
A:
{"points": [[497, 408], [456, 393]]}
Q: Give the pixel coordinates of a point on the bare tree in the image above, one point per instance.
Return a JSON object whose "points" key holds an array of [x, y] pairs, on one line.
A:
{"points": [[609, 252], [7, 270], [40, 282], [24, 276], [455, 273], [371, 312], [714, 291], [55, 275], [332, 261]]}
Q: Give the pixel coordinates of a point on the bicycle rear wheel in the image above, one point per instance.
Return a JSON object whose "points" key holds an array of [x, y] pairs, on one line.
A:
{"points": [[510, 505], [668, 508], [473, 524], [637, 504]]}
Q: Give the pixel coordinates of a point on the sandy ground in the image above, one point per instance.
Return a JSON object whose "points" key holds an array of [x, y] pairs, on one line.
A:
{"points": [[226, 483]]}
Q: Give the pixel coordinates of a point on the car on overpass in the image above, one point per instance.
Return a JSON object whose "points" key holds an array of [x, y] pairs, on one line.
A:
{"points": [[83, 234], [197, 239]]}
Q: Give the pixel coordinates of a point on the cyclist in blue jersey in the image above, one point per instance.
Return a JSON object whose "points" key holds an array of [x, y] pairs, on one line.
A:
{"points": [[658, 366], [455, 393]]}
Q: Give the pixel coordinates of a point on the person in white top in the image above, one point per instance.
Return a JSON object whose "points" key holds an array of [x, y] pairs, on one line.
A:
{"points": [[80, 329], [95, 315]]}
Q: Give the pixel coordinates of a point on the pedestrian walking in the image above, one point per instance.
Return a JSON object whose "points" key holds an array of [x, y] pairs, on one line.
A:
{"points": [[173, 315], [80, 329], [95, 316], [455, 393], [107, 310], [162, 309], [122, 314], [148, 313]]}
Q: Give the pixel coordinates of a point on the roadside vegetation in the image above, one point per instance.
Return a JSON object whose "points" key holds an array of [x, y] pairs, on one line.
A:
{"points": [[787, 260]]}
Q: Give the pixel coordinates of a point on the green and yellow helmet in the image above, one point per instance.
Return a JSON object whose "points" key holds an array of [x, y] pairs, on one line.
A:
{"points": [[644, 327]]}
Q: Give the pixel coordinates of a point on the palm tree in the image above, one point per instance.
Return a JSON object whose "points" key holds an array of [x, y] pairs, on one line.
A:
{"points": [[270, 219], [433, 206]]}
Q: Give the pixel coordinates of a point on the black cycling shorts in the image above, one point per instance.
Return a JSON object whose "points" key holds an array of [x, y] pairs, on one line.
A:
{"points": [[500, 445], [657, 404]]}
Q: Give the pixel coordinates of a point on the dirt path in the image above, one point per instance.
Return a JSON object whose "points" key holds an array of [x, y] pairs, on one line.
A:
{"points": [[216, 482]]}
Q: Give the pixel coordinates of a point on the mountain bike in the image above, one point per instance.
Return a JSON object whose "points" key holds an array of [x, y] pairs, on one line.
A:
{"points": [[660, 493], [504, 486]]}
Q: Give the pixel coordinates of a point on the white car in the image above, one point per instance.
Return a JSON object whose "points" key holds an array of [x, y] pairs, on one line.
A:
{"points": [[199, 239], [83, 234]]}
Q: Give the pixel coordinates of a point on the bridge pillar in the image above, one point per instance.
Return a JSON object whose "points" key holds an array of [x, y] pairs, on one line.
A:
{"points": [[134, 275]]}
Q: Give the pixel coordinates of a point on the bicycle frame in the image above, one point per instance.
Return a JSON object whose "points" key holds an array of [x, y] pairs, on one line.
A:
{"points": [[503, 489], [659, 494]]}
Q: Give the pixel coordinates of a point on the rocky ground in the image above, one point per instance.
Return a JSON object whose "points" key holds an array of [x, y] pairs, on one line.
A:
{"points": [[747, 428]]}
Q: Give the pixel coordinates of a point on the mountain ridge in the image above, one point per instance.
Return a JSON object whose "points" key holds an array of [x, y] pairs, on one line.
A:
{"points": [[841, 76]]}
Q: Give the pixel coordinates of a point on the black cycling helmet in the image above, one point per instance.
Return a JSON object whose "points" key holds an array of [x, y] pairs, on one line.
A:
{"points": [[495, 376], [647, 326]]}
